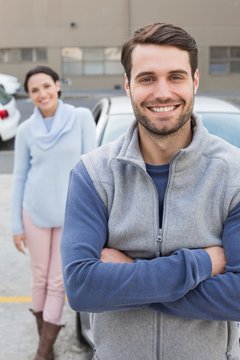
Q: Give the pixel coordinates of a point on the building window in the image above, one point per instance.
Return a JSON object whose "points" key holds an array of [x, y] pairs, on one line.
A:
{"points": [[225, 60], [91, 61], [23, 55]]}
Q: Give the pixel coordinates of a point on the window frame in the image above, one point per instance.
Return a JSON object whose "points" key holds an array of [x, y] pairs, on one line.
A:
{"points": [[102, 61], [223, 65]]}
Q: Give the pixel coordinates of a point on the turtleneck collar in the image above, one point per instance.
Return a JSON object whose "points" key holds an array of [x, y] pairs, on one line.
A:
{"points": [[62, 122]]}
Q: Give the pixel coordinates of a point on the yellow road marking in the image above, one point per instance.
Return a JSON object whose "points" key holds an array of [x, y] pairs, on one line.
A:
{"points": [[15, 299]]}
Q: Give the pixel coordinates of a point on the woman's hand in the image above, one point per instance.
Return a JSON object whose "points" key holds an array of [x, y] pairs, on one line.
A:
{"points": [[20, 242]]}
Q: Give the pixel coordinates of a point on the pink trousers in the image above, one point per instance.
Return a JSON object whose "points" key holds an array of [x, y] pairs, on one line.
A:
{"points": [[47, 282]]}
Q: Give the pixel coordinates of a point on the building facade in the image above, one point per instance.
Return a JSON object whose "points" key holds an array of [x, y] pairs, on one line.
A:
{"points": [[81, 39]]}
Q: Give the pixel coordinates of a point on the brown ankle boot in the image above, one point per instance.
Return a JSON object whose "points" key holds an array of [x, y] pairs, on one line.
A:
{"points": [[48, 336], [39, 319]]}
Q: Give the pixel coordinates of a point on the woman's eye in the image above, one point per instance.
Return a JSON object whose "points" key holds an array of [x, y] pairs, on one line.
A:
{"points": [[34, 91]]}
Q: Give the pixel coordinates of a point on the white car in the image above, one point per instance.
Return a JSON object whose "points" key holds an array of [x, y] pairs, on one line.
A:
{"points": [[9, 83], [114, 114], [9, 116]]}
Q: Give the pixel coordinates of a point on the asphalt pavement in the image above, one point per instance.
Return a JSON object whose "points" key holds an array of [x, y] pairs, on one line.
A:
{"points": [[18, 335]]}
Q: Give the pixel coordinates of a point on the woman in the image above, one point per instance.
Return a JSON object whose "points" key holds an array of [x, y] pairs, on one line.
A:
{"points": [[47, 146]]}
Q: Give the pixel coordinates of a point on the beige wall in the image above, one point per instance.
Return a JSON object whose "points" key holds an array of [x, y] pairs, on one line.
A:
{"points": [[46, 23]]}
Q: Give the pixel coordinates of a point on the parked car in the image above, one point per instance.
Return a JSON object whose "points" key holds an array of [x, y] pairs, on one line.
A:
{"points": [[114, 114], [9, 83], [9, 116]]}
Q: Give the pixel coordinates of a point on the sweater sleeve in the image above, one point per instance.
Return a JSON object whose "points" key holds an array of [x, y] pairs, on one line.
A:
{"points": [[216, 298], [89, 139], [92, 285], [20, 172]]}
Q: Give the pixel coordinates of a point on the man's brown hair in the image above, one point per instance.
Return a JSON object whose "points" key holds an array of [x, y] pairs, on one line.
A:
{"points": [[159, 34]]}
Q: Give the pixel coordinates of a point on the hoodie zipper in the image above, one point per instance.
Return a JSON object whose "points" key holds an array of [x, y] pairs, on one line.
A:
{"points": [[159, 243], [158, 254], [228, 355]]}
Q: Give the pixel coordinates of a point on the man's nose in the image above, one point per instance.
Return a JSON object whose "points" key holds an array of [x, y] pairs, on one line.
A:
{"points": [[162, 89]]}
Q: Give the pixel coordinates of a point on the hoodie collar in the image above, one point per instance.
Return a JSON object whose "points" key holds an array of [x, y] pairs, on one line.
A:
{"points": [[130, 150]]}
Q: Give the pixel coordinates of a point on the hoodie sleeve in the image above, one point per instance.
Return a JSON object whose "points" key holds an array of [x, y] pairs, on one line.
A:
{"points": [[21, 168], [216, 298], [94, 286]]}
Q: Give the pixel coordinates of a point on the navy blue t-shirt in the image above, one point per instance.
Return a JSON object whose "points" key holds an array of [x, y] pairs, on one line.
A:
{"points": [[159, 175]]}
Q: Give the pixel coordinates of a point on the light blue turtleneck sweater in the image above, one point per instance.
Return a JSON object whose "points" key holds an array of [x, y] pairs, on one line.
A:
{"points": [[43, 160]]}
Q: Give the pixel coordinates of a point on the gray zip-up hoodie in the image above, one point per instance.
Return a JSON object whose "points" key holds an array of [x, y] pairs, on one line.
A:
{"points": [[112, 199]]}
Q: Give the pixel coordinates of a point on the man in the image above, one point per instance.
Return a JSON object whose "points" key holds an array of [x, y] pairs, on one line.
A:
{"points": [[147, 217]]}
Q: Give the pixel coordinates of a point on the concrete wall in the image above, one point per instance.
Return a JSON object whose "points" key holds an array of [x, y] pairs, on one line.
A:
{"points": [[47, 23]]}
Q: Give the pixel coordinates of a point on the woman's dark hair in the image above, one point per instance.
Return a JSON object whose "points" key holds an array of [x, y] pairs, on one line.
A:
{"points": [[41, 70], [160, 34]]}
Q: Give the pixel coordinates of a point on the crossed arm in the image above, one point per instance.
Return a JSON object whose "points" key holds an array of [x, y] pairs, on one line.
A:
{"points": [[216, 253], [216, 298]]}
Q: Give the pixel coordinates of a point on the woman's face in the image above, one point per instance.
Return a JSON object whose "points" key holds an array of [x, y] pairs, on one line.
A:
{"points": [[43, 91]]}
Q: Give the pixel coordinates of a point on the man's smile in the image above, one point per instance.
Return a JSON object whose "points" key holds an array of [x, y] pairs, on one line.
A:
{"points": [[165, 109]]}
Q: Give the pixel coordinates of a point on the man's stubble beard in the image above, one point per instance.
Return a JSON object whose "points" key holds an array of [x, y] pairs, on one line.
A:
{"points": [[159, 133]]}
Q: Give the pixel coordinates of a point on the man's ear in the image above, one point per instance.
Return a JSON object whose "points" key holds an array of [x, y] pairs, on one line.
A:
{"points": [[196, 81], [126, 85]]}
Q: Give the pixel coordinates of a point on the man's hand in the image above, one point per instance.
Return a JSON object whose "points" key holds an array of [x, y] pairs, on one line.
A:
{"points": [[20, 242], [114, 256], [218, 258]]}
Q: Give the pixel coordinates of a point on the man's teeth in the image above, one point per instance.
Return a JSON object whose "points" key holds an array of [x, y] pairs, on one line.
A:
{"points": [[163, 108]]}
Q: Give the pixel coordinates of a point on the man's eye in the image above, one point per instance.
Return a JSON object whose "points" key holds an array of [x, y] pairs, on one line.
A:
{"points": [[176, 77], [146, 80]]}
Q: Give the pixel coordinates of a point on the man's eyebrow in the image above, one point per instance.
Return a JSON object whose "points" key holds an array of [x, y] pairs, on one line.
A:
{"points": [[179, 71]]}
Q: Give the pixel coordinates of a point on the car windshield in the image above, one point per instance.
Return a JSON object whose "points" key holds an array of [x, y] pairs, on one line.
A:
{"points": [[225, 125], [4, 97]]}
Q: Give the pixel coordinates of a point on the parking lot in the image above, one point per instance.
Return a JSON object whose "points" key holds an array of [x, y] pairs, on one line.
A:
{"points": [[18, 336]]}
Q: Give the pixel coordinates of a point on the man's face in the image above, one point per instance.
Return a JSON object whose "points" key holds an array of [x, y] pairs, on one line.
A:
{"points": [[161, 88]]}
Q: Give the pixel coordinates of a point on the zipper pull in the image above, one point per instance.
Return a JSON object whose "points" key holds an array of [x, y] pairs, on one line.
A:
{"points": [[228, 353], [159, 242]]}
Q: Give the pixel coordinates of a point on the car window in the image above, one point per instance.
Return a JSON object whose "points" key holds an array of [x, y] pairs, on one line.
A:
{"points": [[97, 113], [225, 125], [116, 126], [4, 97]]}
